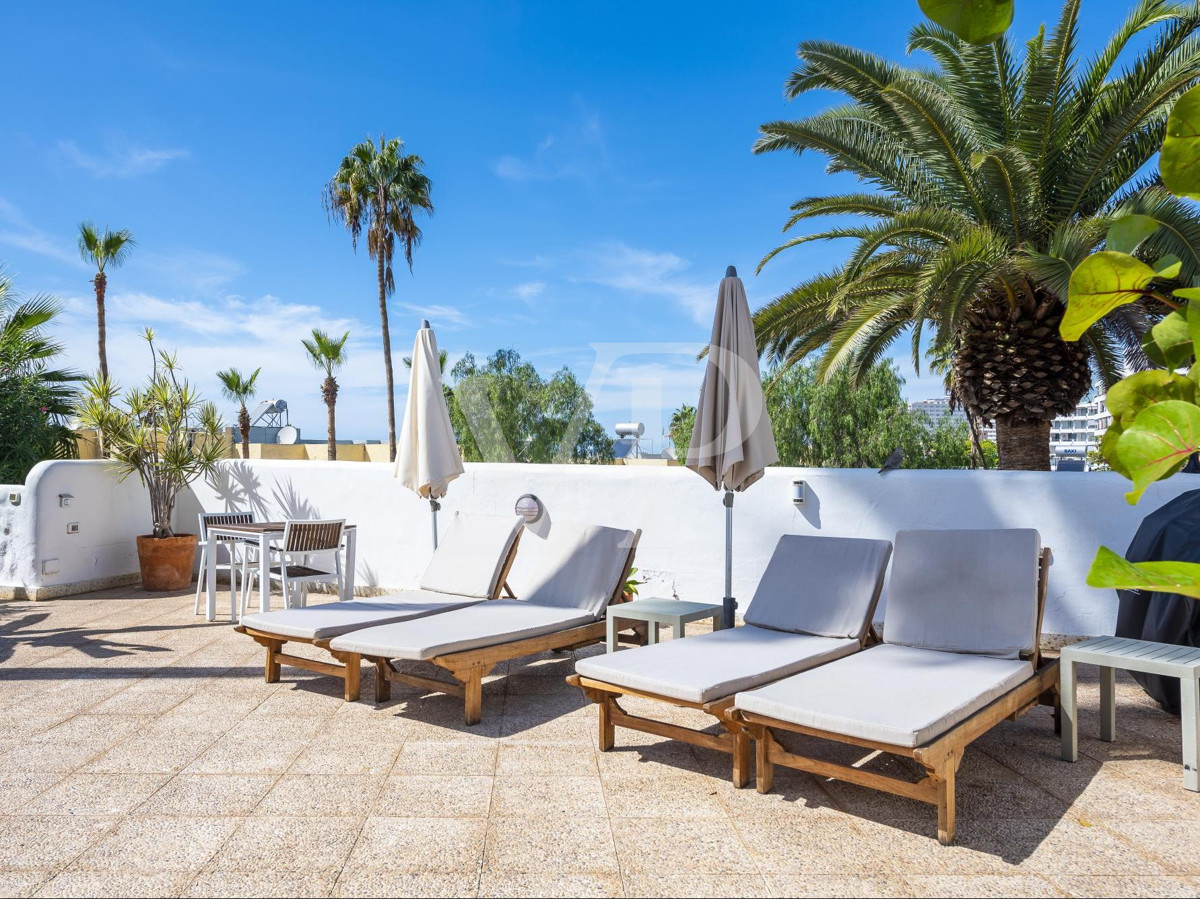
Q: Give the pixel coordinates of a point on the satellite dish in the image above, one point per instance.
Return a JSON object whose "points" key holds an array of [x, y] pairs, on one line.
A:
{"points": [[288, 435]]}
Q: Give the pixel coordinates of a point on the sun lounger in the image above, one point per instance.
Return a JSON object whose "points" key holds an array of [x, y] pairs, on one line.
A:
{"points": [[813, 604], [469, 566], [960, 654], [565, 584]]}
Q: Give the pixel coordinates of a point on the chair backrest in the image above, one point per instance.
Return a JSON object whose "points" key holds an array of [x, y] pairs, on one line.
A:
{"points": [[582, 566], [473, 556], [312, 536], [972, 591], [216, 519], [826, 586]]}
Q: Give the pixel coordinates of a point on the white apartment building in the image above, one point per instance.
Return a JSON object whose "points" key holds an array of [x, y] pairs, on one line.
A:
{"points": [[1075, 435], [937, 409]]}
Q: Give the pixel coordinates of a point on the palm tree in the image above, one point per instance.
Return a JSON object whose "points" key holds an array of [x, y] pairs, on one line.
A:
{"points": [[379, 189], [239, 389], [328, 354], [105, 249], [993, 177]]}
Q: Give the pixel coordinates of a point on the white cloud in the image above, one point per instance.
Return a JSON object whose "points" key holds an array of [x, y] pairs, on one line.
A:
{"points": [[530, 290], [576, 150], [632, 270], [119, 158], [439, 315], [192, 270], [19, 232]]}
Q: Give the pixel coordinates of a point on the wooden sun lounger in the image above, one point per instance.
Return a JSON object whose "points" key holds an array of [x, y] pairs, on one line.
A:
{"points": [[469, 668], [344, 666], [940, 757]]}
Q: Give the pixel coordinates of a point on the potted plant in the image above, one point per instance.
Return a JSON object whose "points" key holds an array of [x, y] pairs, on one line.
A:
{"points": [[165, 433]]}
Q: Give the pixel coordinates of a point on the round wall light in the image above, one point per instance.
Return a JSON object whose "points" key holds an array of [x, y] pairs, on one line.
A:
{"points": [[529, 507]]}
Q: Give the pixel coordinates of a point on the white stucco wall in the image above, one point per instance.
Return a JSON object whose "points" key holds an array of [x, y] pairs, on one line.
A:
{"points": [[682, 547]]}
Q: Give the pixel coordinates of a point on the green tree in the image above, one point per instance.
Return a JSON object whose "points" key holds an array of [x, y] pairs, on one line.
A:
{"points": [[239, 389], [683, 422], [328, 354], [505, 411], [993, 177], [35, 398], [379, 190], [105, 249]]}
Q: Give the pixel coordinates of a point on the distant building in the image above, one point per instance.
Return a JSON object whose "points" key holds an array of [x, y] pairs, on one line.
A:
{"points": [[1078, 433], [937, 409]]}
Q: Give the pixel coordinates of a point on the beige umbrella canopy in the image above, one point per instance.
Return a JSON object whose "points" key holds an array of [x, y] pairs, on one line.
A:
{"points": [[427, 457], [732, 441]]}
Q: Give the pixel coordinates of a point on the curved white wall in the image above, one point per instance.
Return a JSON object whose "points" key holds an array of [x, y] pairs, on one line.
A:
{"points": [[682, 547]]}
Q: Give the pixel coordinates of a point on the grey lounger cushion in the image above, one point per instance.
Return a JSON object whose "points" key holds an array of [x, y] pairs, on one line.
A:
{"points": [[470, 555], [575, 566], [484, 624], [965, 591], [720, 663], [889, 694], [826, 586], [320, 622]]}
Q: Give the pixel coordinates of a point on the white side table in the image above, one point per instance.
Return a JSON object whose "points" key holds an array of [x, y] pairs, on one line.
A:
{"points": [[672, 612], [1111, 653]]}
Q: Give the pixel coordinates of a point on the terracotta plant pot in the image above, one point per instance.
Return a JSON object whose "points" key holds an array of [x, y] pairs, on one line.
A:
{"points": [[166, 562]]}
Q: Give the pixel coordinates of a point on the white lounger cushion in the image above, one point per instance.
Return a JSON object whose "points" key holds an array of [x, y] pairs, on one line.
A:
{"points": [[720, 663], [965, 591], [484, 624], [333, 619], [826, 586], [575, 566], [889, 694], [470, 556]]}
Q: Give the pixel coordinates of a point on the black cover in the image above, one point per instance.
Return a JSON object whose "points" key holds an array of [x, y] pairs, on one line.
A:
{"points": [[1171, 533]]}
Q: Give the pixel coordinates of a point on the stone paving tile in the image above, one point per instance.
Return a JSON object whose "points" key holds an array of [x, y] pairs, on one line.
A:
{"points": [[700, 846], [156, 844], [447, 758], [231, 756], [117, 884], [18, 790], [96, 794], [139, 755], [302, 845], [701, 885], [22, 883], [433, 796], [550, 885], [998, 885], [259, 883], [549, 797], [363, 882], [415, 844], [545, 759], [670, 796], [48, 842], [207, 795], [321, 795], [527, 845]]}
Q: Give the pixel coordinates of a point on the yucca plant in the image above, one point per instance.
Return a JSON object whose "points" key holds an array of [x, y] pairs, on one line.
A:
{"points": [[992, 175], [163, 432]]}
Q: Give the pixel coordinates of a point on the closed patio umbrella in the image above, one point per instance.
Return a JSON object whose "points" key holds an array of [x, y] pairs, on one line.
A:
{"points": [[427, 459], [732, 441]]}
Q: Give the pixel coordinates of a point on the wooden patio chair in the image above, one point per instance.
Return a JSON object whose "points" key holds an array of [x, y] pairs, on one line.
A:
{"points": [[960, 654], [813, 604], [578, 571], [470, 565]]}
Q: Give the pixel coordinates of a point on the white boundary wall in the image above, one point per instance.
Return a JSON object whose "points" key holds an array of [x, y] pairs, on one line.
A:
{"points": [[682, 519]]}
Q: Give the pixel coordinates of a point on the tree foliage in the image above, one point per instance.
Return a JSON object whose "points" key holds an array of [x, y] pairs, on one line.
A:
{"points": [[503, 410]]}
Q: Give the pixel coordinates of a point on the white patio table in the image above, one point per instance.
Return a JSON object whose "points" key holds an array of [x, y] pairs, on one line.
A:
{"points": [[264, 533]]}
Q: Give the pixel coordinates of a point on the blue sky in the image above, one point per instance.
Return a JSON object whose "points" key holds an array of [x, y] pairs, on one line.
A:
{"points": [[591, 166]]}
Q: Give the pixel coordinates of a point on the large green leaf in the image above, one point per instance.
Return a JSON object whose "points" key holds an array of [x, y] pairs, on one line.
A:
{"points": [[1138, 391], [1128, 231], [1171, 339], [1179, 161], [1158, 443], [1110, 570], [1100, 284], [975, 21]]}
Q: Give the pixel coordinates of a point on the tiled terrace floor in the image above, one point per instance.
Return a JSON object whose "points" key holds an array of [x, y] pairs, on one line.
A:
{"points": [[141, 753]]}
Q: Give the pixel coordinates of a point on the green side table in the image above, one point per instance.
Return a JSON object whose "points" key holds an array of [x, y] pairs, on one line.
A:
{"points": [[656, 611]]}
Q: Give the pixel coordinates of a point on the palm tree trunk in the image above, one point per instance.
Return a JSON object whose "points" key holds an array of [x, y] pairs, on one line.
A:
{"points": [[330, 391], [100, 282], [387, 358], [244, 427], [1023, 445]]}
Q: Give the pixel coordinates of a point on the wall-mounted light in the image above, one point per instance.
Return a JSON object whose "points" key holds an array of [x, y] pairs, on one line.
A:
{"points": [[797, 492], [14, 498], [64, 500], [529, 507]]}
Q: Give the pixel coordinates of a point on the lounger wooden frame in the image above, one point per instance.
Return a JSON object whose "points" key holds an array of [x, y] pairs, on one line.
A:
{"points": [[346, 666], [735, 740], [939, 757], [470, 667]]}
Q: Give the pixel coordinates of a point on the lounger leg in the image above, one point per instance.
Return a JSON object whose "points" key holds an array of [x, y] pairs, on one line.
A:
{"points": [[608, 733], [353, 688], [945, 776], [472, 694], [741, 759], [1190, 696], [1108, 703], [272, 669], [764, 768], [383, 686]]}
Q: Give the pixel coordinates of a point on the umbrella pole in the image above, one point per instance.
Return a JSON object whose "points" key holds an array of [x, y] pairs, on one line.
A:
{"points": [[729, 603], [434, 505]]}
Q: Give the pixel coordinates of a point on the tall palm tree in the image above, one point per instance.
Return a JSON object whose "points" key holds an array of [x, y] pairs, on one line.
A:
{"points": [[993, 177], [379, 189], [105, 249], [328, 354], [240, 389]]}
